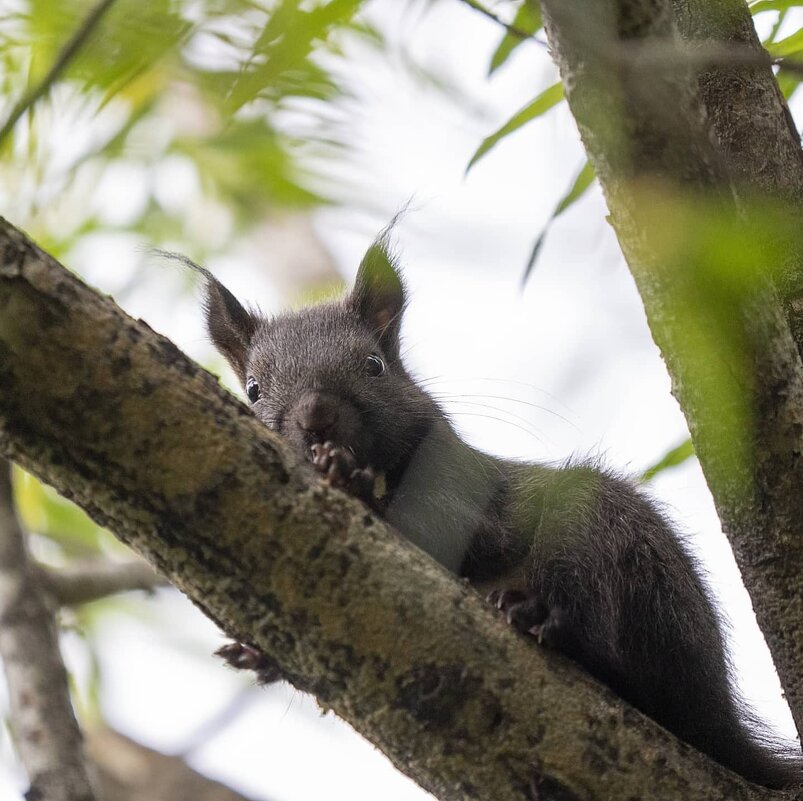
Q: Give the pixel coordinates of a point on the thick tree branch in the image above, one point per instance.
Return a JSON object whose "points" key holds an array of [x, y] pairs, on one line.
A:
{"points": [[46, 733], [736, 371], [117, 418]]}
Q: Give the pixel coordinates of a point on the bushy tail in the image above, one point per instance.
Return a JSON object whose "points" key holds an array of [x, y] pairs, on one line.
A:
{"points": [[744, 745]]}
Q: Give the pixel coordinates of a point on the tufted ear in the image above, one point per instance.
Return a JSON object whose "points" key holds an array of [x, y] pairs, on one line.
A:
{"points": [[230, 326], [378, 296]]}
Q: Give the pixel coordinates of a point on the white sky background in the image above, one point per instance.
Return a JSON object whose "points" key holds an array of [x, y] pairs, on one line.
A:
{"points": [[572, 354]]}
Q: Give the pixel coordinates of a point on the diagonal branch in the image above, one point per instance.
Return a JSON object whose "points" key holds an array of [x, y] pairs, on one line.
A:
{"points": [[115, 417], [45, 730]]}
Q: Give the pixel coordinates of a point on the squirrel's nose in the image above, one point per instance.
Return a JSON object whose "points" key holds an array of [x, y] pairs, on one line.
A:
{"points": [[316, 413]]}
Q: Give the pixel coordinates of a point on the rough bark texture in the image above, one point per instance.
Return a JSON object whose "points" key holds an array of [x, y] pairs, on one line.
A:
{"points": [[45, 731], [750, 119], [117, 418], [650, 137]]}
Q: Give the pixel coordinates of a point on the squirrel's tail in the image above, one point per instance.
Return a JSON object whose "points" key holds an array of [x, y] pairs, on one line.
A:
{"points": [[744, 745]]}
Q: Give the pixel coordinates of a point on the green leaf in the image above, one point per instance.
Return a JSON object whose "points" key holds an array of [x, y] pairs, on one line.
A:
{"points": [[546, 100], [528, 19], [578, 188], [672, 458], [773, 5], [45, 512], [788, 82], [790, 46], [280, 61], [247, 163]]}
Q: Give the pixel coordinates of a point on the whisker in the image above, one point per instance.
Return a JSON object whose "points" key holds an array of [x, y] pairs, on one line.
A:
{"points": [[451, 396], [518, 417], [502, 420]]}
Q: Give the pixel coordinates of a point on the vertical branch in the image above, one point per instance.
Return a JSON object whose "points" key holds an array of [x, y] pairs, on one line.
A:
{"points": [[670, 176], [45, 730]]}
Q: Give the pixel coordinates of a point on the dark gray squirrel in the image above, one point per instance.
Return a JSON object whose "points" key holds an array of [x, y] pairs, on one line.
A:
{"points": [[574, 556]]}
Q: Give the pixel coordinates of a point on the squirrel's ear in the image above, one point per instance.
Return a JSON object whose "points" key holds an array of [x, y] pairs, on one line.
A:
{"points": [[230, 326], [378, 296]]}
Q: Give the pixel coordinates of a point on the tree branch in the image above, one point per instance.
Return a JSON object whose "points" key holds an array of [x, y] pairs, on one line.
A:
{"points": [[128, 771], [115, 417], [45, 730], [668, 153], [80, 584]]}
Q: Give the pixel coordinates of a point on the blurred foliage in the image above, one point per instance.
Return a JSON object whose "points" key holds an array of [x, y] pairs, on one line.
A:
{"points": [[173, 121], [580, 185], [526, 19], [69, 530], [549, 98], [712, 264], [214, 84], [672, 458]]}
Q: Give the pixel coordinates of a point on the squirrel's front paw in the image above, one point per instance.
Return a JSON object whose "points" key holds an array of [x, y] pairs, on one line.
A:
{"points": [[339, 466], [527, 613], [246, 657]]}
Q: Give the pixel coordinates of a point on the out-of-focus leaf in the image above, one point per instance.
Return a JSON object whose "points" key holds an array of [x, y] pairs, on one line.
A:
{"points": [[281, 54], [45, 512], [714, 263], [546, 100], [672, 458], [788, 82], [578, 188], [133, 36], [789, 47], [776, 28], [773, 5], [247, 162], [528, 20]]}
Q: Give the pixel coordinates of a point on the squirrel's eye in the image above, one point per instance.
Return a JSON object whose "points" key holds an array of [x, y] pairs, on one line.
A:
{"points": [[374, 366], [252, 390]]}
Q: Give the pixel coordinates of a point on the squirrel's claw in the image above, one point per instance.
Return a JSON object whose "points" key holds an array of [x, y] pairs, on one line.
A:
{"points": [[245, 657]]}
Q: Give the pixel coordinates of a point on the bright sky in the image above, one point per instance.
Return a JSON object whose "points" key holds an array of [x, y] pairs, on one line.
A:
{"points": [[566, 367]]}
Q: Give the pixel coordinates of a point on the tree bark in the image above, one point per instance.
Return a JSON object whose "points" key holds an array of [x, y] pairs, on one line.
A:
{"points": [[46, 734], [672, 147], [115, 417], [752, 125]]}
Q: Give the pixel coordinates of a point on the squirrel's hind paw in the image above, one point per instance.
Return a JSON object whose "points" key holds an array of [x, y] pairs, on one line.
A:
{"points": [[529, 614], [245, 657]]}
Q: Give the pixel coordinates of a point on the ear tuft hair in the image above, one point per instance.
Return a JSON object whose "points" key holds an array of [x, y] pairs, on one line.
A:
{"points": [[379, 297], [230, 326]]}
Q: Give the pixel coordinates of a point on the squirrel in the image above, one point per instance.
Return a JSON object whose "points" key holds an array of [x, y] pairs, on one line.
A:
{"points": [[574, 556]]}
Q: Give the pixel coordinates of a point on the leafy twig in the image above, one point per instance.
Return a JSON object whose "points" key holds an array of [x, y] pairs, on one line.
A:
{"points": [[67, 54], [511, 29]]}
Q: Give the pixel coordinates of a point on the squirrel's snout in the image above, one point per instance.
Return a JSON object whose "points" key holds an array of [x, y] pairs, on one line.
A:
{"points": [[316, 414]]}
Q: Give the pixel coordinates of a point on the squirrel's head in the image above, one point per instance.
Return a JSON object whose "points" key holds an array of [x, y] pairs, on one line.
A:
{"points": [[330, 372]]}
